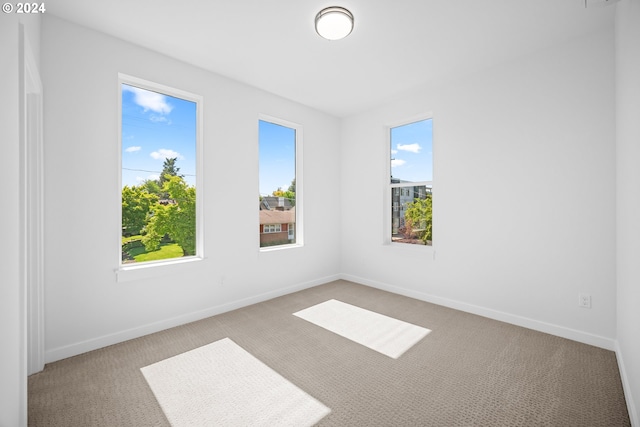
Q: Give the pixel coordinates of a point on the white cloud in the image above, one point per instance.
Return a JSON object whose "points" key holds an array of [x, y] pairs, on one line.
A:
{"points": [[164, 153], [150, 100], [159, 119], [394, 151], [397, 162], [413, 148], [132, 149]]}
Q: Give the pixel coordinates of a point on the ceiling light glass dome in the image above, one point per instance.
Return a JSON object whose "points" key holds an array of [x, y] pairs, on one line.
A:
{"points": [[334, 23]]}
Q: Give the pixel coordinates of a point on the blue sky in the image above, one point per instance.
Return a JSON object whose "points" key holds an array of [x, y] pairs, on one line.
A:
{"points": [[156, 127], [412, 151], [277, 157]]}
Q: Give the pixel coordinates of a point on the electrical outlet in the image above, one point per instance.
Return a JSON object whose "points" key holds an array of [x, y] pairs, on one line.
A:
{"points": [[584, 300]]}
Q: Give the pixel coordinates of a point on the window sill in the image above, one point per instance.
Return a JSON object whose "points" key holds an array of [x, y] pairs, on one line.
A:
{"points": [[280, 247], [410, 248], [131, 272]]}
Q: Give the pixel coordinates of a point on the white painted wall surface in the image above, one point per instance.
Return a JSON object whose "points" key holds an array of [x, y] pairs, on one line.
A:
{"points": [[524, 193], [628, 198], [85, 307], [13, 374], [11, 365]]}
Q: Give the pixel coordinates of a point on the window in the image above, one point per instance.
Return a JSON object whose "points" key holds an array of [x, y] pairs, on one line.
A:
{"points": [[272, 228], [160, 131], [411, 182], [280, 182]]}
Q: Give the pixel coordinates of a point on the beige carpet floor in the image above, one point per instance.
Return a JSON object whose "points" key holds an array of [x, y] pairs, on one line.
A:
{"points": [[469, 371]]}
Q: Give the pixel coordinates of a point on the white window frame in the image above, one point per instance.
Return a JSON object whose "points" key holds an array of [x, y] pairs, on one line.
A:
{"points": [[267, 228], [389, 187], [299, 182], [128, 272]]}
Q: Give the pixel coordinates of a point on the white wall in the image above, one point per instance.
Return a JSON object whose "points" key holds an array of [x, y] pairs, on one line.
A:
{"points": [[13, 386], [85, 307], [628, 197], [524, 193], [11, 366]]}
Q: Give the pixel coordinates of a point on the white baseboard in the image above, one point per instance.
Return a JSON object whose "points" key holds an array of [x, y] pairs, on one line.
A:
{"points": [[117, 337], [92, 344], [631, 407], [561, 331]]}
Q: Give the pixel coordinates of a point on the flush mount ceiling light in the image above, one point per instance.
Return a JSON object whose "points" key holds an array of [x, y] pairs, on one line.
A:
{"points": [[334, 23]]}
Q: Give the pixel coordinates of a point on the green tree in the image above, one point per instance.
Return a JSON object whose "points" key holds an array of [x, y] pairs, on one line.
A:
{"points": [[419, 214], [289, 194], [176, 218], [169, 169], [152, 186], [136, 202]]}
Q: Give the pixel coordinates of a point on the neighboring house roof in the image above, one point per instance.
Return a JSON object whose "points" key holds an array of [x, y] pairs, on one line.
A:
{"points": [[278, 217], [273, 202]]}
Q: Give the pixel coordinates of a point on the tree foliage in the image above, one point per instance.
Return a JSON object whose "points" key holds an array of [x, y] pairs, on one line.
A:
{"points": [[419, 215], [177, 218], [161, 208], [136, 202], [289, 194], [169, 169], [151, 186]]}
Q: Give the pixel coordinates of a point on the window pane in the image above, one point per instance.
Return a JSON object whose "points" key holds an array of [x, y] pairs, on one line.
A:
{"points": [[159, 138], [412, 152], [412, 222], [411, 158], [277, 146]]}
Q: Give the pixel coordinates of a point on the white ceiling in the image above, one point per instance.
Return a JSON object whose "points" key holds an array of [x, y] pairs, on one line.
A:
{"points": [[395, 46]]}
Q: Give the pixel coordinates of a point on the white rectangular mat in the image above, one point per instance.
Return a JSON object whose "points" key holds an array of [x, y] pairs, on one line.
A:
{"points": [[220, 384], [389, 336]]}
